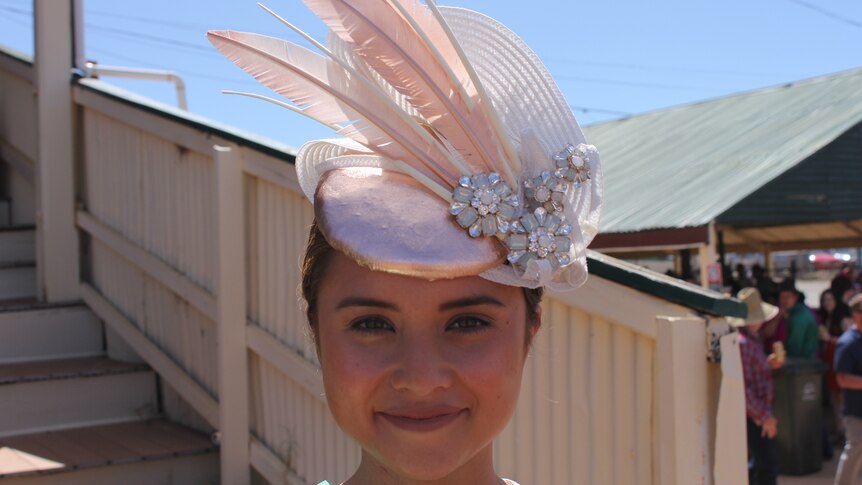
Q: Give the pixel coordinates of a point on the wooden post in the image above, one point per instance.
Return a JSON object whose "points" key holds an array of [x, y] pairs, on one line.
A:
{"points": [[706, 256], [233, 350], [57, 257], [768, 263], [730, 449], [682, 424], [677, 263]]}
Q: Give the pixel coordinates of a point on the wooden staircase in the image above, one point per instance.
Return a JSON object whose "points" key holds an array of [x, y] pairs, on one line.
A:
{"points": [[70, 414]]}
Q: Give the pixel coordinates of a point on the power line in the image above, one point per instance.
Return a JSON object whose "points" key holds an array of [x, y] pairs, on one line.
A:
{"points": [[149, 20], [22, 23], [200, 48], [641, 67], [19, 11], [186, 72], [629, 83], [152, 38], [832, 15], [584, 109], [127, 34]]}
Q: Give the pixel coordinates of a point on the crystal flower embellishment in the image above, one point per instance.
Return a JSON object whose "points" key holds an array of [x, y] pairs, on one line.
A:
{"points": [[572, 164], [540, 235], [547, 191], [543, 233], [484, 205]]}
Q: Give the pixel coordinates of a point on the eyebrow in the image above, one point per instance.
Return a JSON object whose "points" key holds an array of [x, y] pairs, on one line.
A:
{"points": [[449, 305], [366, 302], [471, 301]]}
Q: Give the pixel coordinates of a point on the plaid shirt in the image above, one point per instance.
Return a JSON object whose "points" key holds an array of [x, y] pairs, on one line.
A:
{"points": [[757, 376]]}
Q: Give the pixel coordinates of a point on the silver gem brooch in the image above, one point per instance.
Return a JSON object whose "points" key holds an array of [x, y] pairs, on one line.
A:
{"points": [[484, 205], [572, 164], [540, 235], [546, 191]]}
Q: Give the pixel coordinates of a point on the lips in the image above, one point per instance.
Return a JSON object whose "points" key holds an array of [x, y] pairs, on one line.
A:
{"points": [[421, 418]]}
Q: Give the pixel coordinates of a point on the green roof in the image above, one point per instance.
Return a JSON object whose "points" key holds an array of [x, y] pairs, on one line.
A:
{"points": [[687, 165]]}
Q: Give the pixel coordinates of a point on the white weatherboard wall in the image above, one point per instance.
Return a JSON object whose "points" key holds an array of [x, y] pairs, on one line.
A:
{"points": [[18, 136], [601, 372]]}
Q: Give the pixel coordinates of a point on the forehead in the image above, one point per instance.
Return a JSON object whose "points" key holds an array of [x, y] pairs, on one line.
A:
{"points": [[344, 277]]}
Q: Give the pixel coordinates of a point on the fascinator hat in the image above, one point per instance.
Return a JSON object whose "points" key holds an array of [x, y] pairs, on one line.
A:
{"points": [[458, 155]]}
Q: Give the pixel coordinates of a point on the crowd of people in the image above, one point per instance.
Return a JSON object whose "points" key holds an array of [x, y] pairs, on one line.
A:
{"points": [[781, 324]]}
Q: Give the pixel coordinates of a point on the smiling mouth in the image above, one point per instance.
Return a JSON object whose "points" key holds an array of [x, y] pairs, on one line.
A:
{"points": [[422, 424]]}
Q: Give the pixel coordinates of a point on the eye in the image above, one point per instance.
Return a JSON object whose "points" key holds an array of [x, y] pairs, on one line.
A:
{"points": [[371, 324], [468, 324]]}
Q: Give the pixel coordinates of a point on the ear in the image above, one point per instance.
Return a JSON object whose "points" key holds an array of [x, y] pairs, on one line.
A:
{"points": [[534, 328], [313, 332], [538, 324]]}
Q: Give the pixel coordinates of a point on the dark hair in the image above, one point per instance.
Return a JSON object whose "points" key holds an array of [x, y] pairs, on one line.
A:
{"points": [[833, 321], [318, 253]]}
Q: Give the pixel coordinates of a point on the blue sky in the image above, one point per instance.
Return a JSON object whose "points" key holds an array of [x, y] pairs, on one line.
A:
{"points": [[610, 58]]}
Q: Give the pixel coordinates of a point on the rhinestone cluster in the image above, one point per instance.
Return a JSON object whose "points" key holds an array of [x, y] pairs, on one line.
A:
{"points": [[484, 205], [540, 235], [547, 191], [543, 232], [572, 164]]}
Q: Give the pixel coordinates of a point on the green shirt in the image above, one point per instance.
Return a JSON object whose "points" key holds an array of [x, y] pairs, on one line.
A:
{"points": [[802, 335]]}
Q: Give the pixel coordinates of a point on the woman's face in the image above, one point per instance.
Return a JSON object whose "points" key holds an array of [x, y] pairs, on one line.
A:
{"points": [[422, 374], [828, 302]]}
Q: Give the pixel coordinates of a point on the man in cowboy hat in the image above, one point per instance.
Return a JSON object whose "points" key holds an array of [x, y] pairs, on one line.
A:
{"points": [[802, 335], [757, 374], [848, 372]]}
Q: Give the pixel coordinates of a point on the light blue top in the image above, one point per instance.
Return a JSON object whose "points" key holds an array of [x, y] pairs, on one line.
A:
{"points": [[508, 482]]}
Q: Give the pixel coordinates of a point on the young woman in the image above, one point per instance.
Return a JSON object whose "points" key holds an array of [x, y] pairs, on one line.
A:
{"points": [[463, 188], [423, 384], [833, 318]]}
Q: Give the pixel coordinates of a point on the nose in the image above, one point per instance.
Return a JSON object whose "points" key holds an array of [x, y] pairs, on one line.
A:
{"points": [[422, 367]]}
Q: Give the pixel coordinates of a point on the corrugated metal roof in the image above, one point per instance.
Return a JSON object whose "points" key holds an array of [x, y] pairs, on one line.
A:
{"points": [[685, 166]]}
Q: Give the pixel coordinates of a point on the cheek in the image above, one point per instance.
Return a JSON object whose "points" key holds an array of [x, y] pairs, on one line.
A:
{"points": [[350, 374], [494, 370]]}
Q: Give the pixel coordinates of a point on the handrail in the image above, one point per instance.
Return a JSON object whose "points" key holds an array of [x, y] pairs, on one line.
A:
{"points": [[93, 70]]}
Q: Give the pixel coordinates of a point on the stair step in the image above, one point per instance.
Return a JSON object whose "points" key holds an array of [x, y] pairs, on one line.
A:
{"points": [[17, 244], [17, 280], [67, 393], [137, 453], [32, 332]]}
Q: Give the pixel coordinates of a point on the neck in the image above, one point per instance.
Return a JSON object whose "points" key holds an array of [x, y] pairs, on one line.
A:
{"points": [[479, 470]]}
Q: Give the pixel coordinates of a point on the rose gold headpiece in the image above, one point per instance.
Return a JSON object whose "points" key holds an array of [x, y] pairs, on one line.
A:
{"points": [[460, 155]]}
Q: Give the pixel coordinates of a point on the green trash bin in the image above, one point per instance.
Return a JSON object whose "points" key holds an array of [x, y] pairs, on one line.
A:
{"points": [[798, 407]]}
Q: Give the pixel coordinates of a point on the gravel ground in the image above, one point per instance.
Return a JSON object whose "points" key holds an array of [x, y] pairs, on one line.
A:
{"points": [[823, 477]]}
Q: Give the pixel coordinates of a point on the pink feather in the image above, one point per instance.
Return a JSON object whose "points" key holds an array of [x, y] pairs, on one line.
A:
{"points": [[387, 42], [322, 89]]}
